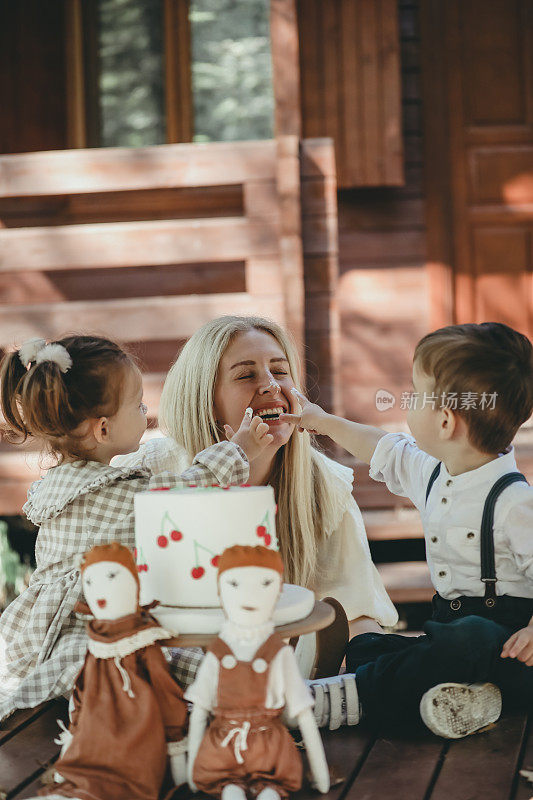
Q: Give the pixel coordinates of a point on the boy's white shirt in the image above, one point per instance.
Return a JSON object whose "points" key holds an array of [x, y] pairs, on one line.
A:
{"points": [[453, 513], [346, 570], [285, 686]]}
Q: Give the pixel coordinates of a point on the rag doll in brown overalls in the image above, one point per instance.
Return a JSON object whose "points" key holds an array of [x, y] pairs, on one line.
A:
{"points": [[127, 714], [248, 676]]}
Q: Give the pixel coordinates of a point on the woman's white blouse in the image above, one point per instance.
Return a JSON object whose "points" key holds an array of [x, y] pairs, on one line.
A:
{"points": [[348, 574]]}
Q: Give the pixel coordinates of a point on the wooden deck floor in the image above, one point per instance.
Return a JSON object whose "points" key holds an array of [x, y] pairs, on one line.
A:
{"points": [[482, 767]]}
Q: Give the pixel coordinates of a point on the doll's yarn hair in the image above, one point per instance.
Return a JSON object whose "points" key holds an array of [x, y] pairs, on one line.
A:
{"points": [[115, 552], [248, 556]]}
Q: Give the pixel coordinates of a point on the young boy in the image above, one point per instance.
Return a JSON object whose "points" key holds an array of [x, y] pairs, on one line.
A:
{"points": [[473, 388]]}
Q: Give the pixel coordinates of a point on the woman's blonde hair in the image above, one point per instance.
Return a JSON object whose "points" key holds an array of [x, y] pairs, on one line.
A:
{"points": [[186, 413]]}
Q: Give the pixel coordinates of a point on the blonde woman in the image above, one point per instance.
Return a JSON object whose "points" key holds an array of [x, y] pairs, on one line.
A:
{"points": [[233, 363]]}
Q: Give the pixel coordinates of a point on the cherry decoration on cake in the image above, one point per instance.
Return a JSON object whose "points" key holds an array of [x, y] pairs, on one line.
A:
{"points": [[263, 531], [168, 529], [138, 555], [198, 571]]}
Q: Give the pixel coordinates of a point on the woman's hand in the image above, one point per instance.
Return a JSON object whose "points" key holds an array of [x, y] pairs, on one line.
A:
{"points": [[313, 418], [252, 437], [520, 646]]}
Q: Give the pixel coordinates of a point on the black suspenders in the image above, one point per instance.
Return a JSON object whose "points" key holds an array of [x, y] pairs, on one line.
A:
{"points": [[488, 566], [432, 478]]}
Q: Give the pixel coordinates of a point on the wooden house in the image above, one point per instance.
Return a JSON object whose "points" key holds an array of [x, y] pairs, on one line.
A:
{"points": [[393, 195]]}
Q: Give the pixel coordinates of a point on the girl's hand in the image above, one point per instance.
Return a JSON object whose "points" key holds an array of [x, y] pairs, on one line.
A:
{"points": [[520, 646], [313, 418], [252, 437]]}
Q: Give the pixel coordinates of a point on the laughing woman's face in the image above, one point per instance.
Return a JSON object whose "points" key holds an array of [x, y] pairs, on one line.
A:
{"points": [[254, 372]]}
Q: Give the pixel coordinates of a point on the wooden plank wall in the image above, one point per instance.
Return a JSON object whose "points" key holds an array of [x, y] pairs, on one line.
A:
{"points": [[385, 301], [383, 287], [479, 154], [321, 260], [350, 86]]}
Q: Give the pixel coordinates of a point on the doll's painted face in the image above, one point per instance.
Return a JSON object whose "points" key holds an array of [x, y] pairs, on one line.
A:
{"points": [[110, 590], [249, 594]]}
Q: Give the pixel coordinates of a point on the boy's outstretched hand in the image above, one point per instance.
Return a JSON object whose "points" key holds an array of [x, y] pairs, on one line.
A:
{"points": [[520, 646], [313, 418], [252, 437]]}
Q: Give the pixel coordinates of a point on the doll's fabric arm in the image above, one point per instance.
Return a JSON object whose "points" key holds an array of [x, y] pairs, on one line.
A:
{"points": [[173, 711], [202, 694], [197, 726], [168, 694], [314, 749], [223, 463], [66, 735], [286, 687], [75, 702]]}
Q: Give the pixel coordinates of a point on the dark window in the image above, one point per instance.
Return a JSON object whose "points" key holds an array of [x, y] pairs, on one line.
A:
{"points": [[231, 70]]}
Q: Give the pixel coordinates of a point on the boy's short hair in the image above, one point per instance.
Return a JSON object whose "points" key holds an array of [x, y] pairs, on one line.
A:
{"points": [[491, 361]]}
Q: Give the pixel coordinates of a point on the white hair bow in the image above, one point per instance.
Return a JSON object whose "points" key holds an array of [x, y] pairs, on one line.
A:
{"points": [[28, 351], [56, 353], [37, 350]]}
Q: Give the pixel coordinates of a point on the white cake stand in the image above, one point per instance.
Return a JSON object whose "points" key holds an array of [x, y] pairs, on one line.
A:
{"points": [[294, 604]]}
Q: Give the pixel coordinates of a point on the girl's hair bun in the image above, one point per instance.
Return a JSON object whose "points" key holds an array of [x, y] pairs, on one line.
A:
{"points": [[57, 354], [48, 390]]}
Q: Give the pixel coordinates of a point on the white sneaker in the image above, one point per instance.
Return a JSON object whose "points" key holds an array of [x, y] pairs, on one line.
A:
{"points": [[454, 710], [336, 701]]}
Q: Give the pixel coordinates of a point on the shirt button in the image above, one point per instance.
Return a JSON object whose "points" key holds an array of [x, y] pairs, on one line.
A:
{"points": [[442, 573], [449, 483], [444, 500], [434, 539], [470, 535]]}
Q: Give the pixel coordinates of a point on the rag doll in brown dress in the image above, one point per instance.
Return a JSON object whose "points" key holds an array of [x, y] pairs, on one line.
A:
{"points": [[248, 676], [127, 714]]}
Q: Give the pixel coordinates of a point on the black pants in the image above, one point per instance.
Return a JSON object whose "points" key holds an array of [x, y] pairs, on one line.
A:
{"points": [[394, 671]]}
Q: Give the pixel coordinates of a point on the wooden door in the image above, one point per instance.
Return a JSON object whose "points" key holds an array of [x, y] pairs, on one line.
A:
{"points": [[478, 98]]}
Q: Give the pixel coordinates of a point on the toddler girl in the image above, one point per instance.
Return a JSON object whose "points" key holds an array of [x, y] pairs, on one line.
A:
{"points": [[81, 398]]}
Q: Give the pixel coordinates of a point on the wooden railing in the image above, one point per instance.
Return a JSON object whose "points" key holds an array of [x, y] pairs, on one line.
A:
{"points": [[145, 245]]}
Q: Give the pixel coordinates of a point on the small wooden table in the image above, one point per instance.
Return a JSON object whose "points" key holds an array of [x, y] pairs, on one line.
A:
{"points": [[320, 617]]}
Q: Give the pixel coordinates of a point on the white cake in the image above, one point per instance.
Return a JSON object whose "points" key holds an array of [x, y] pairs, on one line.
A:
{"points": [[180, 534]]}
